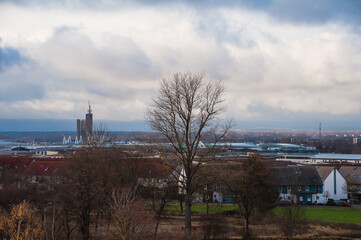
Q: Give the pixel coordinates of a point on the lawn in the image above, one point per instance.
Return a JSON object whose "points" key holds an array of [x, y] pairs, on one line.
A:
{"points": [[344, 215]]}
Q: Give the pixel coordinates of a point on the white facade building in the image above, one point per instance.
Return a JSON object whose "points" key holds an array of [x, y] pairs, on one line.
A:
{"points": [[334, 184], [336, 158]]}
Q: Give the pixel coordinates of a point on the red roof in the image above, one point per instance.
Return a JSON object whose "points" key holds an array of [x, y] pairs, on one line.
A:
{"points": [[48, 167], [149, 167], [14, 160]]}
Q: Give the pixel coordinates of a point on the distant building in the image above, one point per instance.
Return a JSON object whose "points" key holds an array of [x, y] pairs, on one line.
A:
{"points": [[80, 129], [84, 127], [352, 174], [336, 158], [89, 123]]}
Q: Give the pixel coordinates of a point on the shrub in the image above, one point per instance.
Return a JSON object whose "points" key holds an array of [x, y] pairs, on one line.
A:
{"points": [[292, 220]]}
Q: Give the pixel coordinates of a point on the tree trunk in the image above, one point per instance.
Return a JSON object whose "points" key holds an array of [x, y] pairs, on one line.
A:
{"points": [[53, 237], [153, 203], [246, 234], [188, 217], [96, 224], [85, 227], [181, 205], [207, 204], [156, 228], [246, 224]]}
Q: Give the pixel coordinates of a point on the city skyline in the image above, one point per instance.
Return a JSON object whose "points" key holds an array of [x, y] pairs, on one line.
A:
{"points": [[282, 62]]}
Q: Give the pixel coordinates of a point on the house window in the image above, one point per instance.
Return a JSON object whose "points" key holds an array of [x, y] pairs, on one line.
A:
{"points": [[299, 188], [288, 189], [301, 199], [307, 188]]}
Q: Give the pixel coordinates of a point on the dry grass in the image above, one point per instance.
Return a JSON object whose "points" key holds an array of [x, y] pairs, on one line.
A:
{"points": [[267, 228]]}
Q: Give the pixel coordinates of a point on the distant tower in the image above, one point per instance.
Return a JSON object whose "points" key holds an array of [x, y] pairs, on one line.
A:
{"points": [[84, 127], [319, 133], [89, 123], [80, 128]]}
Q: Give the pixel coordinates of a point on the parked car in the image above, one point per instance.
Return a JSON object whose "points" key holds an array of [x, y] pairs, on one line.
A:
{"points": [[354, 201], [342, 203]]}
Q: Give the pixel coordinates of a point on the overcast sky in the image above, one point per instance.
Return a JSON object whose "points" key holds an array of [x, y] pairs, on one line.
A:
{"points": [[279, 60]]}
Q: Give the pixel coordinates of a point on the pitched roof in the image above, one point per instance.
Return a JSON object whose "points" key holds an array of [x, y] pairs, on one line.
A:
{"points": [[44, 167], [296, 175], [149, 167], [324, 171], [352, 174], [14, 160]]}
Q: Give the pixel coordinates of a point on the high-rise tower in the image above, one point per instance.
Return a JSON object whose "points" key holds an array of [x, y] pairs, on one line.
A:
{"points": [[89, 123]]}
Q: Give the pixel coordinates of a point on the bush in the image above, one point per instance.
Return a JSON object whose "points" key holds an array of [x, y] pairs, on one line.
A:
{"points": [[331, 202], [213, 226], [21, 223], [292, 220]]}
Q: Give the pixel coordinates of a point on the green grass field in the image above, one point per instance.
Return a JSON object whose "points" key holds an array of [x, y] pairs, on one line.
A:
{"points": [[344, 215]]}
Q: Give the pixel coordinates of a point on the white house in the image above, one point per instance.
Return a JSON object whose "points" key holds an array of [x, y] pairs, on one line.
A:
{"points": [[334, 184]]}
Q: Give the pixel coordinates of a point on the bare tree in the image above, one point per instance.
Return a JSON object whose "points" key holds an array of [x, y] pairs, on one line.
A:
{"points": [[252, 187], [292, 220], [186, 111], [130, 218], [87, 182], [326, 195], [100, 136]]}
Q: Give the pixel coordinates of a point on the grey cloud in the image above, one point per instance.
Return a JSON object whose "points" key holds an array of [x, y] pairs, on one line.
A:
{"points": [[296, 11], [309, 11], [119, 61], [213, 25], [294, 70], [16, 78], [18, 89], [10, 56], [262, 111]]}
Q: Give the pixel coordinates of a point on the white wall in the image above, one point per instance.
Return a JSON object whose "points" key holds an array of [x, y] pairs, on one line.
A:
{"points": [[328, 185]]}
